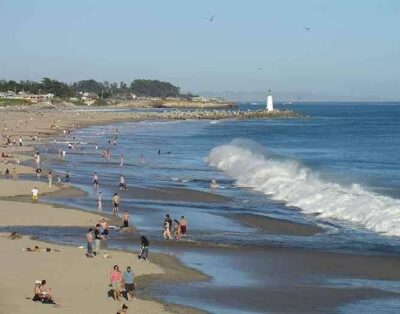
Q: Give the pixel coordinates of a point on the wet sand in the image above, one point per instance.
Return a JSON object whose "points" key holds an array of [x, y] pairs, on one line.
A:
{"points": [[271, 225], [282, 280], [172, 194]]}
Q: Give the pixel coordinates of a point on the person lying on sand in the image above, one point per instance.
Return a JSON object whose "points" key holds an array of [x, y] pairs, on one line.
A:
{"points": [[123, 310], [40, 249], [42, 293]]}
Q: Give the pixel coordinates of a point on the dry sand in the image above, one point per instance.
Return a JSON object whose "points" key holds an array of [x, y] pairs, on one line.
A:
{"points": [[79, 284]]}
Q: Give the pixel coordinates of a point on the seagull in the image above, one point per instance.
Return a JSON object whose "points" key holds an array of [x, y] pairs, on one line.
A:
{"points": [[210, 19], [307, 29], [260, 69]]}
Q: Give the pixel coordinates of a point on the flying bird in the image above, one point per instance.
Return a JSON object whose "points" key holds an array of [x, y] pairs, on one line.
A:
{"points": [[307, 29], [210, 19], [260, 69]]}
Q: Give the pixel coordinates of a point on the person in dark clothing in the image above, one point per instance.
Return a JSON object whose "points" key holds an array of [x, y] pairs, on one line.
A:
{"points": [[169, 220], [144, 248]]}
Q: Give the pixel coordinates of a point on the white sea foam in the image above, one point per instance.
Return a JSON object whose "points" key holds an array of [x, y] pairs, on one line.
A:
{"points": [[296, 185]]}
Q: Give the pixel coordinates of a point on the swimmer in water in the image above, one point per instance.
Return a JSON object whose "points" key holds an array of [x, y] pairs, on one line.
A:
{"points": [[213, 183]]}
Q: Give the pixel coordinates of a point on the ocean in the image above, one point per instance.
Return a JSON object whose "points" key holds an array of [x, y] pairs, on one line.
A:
{"points": [[338, 168]]}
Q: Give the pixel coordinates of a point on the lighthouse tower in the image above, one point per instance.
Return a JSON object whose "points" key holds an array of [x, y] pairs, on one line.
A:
{"points": [[270, 102]]}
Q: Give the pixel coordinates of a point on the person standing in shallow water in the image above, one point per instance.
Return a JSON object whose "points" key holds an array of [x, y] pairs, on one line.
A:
{"points": [[100, 202], [125, 217], [95, 180], [116, 201]]}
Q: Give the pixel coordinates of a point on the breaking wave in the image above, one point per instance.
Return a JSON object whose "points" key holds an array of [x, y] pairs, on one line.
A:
{"points": [[286, 180]]}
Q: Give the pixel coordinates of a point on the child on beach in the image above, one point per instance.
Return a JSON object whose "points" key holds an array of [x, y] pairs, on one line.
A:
{"points": [[42, 293], [124, 310]]}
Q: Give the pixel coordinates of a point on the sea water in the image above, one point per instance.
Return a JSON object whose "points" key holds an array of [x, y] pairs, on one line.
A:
{"points": [[338, 168]]}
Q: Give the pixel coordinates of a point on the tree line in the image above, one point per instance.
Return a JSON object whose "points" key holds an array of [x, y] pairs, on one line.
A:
{"points": [[139, 87]]}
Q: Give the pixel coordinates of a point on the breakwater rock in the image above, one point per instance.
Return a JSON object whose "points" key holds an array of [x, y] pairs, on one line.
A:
{"points": [[216, 115]]}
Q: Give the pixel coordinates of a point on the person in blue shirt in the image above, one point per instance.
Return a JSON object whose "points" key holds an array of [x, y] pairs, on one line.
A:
{"points": [[127, 277]]}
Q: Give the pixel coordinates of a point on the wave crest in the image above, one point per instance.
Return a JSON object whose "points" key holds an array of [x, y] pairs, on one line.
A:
{"points": [[252, 166]]}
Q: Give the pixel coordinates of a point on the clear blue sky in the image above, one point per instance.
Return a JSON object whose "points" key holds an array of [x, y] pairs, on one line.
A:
{"points": [[352, 49]]}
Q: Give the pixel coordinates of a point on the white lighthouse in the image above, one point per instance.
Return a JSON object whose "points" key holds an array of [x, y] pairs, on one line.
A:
{"points": [[270, 102]]}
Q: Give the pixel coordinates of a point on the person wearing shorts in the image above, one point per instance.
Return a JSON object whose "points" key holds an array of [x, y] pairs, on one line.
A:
{"points": [[128, 283], [115, 282]]}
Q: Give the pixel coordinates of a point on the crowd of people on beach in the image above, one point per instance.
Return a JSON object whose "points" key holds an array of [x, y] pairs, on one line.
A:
{"points": [[121, 283]]}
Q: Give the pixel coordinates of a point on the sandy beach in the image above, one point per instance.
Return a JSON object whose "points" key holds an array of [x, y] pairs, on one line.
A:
{"points": [[79, 284], [284, 277]]}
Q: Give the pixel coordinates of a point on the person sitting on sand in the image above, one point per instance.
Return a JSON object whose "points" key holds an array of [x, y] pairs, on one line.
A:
{"points": [[144, 248], [183, 225], [35, 193], [123, 310], [115, 282], [42, 293]]}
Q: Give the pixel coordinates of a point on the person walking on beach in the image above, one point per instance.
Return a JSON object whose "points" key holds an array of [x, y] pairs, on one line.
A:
{"points": [[115, 282], [116, 201], [122, 183], [125, 218], [100, 202], [97, 239], [89, 245], [95, 180], [37, 158], [129, 285], [144, 248], [20, 141], [50, 178], [35, 193], [121, 164], [38, 173]]}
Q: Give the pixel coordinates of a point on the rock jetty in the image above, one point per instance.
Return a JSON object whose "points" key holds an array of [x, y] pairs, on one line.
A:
{"points": [[215, 115]]}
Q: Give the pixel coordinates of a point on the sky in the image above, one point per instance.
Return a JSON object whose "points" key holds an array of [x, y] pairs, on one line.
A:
{"points": [[352, 50]]}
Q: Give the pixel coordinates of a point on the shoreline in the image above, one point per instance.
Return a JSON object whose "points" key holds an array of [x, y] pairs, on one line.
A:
{"points": [[290, 264], [23, 201]]}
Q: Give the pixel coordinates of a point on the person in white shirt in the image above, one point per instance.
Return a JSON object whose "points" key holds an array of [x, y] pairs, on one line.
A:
{"points": [[35, 193]]}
